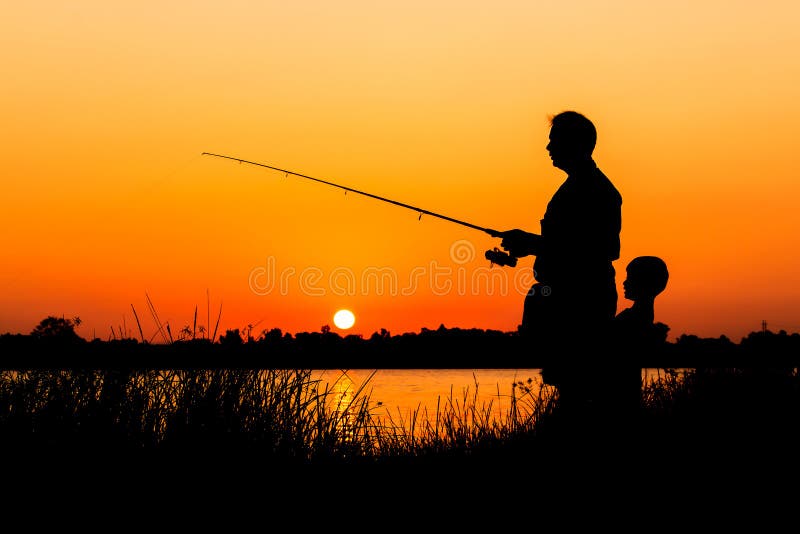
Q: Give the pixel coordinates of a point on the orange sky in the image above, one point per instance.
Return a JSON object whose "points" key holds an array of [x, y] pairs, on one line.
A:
{"points": [[107, 107]]}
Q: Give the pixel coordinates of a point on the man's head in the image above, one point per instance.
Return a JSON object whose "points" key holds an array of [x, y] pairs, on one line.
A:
{"points": [[572, 139], [647, 277]]}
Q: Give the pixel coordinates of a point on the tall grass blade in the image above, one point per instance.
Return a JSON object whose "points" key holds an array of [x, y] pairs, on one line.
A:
{"points": [[217, 325], [156, 319], [136, 316]]}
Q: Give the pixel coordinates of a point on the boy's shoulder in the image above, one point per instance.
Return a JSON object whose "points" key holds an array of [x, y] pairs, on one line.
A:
{"points": [[636, 327], [630, 316]]}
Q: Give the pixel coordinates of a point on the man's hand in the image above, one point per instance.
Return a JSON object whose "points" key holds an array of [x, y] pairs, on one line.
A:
{"points": [[520, 243]]}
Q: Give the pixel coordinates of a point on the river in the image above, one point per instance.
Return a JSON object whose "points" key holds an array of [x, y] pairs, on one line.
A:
{"points": [[400, 393]]}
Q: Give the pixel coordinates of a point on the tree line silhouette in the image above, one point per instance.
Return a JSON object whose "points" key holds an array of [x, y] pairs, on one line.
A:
{"points": [[54, 343]]}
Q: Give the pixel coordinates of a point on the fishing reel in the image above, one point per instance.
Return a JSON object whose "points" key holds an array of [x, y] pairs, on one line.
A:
{"points": [[498, 257]]}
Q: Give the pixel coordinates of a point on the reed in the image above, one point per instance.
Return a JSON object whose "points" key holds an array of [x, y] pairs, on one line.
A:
{"points": [[282, 415], [164, 329], [279, 413]]}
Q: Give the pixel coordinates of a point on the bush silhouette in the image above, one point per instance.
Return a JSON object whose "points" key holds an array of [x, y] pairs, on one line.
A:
{"points": [[57, 329]]}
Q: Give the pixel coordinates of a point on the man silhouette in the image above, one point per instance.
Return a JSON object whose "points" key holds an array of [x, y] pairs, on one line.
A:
{"points": [[572, 305]]}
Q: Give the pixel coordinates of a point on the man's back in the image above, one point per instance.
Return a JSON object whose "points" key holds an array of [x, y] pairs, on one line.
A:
{"points": [[580, 231]]}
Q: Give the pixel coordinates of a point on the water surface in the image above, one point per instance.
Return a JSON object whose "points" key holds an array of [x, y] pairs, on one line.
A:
{"points": [[403, 392]]}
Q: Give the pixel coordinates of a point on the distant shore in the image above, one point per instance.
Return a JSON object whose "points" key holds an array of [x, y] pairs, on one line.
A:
{"points": [[430, 349]]}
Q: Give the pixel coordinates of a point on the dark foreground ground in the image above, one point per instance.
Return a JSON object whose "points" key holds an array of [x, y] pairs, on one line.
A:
{"points": [[727, 446], [655, 479]]}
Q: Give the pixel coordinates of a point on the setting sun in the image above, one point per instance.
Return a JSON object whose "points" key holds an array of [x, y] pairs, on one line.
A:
{"points": [[344, 319]]}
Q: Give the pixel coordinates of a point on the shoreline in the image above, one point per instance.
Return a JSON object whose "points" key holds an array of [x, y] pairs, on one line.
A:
{"points": [[435, 349]]}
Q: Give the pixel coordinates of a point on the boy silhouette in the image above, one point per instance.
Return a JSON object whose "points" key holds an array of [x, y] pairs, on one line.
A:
{"points": [[646, 278], [634, 333]]}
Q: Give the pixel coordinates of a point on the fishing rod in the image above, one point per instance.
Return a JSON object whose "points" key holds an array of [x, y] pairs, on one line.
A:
{"points": [[496, 256]]}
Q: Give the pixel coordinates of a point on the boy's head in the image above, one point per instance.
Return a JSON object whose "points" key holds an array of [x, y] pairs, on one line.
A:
{"points": [[647, 277]]}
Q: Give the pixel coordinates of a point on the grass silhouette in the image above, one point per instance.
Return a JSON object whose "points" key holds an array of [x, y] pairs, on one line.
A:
{"points": [[276, 438], [284, 415], [281, 414]]}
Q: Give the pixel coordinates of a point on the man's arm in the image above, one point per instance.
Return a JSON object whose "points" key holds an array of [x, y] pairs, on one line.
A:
{"points": [[520, 243]]}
